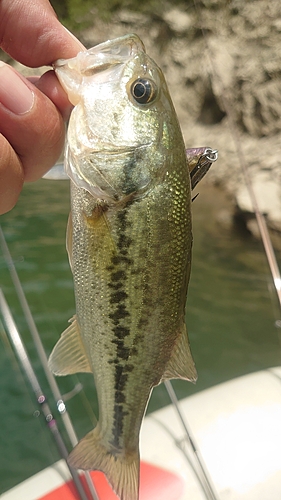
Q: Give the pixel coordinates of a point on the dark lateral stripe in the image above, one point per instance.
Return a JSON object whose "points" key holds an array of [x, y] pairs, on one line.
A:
{"points": [[118, 296], [119, 267], [121, 332], [120, 313]]}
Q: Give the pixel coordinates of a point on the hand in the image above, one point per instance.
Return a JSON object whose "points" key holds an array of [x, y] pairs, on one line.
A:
{"points": [[31, 110]]}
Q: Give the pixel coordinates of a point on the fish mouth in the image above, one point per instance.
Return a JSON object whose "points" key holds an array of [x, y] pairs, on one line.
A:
{"points": [[104, 62], [104, 55]]}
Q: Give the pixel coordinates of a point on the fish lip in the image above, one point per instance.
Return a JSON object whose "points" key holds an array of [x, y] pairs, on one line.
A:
{"points": [[111, 52]]}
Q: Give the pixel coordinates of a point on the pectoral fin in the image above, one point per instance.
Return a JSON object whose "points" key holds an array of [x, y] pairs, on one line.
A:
{"points": [[181, 364], [69, 355]]}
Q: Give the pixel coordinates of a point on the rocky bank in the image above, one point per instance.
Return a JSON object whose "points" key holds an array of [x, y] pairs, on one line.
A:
{"points": [[222, 62]]}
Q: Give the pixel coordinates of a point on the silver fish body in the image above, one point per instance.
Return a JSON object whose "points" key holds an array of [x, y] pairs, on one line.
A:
{"points": [[129, 242]]}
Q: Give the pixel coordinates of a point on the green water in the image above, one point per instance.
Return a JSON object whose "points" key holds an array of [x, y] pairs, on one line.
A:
{"points": [[230, 316]]}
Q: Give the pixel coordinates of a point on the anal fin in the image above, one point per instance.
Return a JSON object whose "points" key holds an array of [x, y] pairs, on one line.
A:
{"points": [[69, 355], [181, 364]]}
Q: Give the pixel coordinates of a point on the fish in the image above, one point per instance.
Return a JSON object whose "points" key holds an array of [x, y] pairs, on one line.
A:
{"points": [[129, 242]]}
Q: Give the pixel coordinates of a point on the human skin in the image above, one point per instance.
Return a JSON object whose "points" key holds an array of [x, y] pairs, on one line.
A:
{"points": [[32, 111]]}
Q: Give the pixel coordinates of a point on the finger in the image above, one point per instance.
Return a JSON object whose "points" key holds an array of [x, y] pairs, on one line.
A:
{"points": [[31, 33], [30, 122], [11, 176], [50, 86]]}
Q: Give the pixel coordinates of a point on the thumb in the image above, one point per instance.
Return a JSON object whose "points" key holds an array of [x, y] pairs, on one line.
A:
{"points": [[32, 132]]}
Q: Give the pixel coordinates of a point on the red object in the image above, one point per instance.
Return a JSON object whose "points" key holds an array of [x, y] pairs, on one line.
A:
{"points": [[155, 484]]}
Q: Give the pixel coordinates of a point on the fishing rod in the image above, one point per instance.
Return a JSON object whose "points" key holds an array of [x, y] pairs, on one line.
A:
{"points": [[270, 254], [25, 363], [266, 240], [42, 355], [203, 478], [265, 237]]}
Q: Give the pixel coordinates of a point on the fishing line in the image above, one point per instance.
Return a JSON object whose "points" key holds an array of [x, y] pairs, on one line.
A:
{"points": [[88, 407], [42, 355]]}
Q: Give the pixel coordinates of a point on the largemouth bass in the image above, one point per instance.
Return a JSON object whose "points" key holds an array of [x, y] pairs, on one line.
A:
{"points": [[129, 242]]}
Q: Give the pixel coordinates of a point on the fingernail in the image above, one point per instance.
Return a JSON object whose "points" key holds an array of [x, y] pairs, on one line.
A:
{"points": [[15, 95], [79, 44]]}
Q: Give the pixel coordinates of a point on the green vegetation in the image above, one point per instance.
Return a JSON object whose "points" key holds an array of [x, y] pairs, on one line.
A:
{"points": [[75, 13]]}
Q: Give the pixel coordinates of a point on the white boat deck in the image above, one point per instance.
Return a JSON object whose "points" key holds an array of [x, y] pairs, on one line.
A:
{"points": [[237, 428]]}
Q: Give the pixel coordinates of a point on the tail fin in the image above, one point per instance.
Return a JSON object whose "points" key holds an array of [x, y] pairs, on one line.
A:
{"points": [[122, 471]]}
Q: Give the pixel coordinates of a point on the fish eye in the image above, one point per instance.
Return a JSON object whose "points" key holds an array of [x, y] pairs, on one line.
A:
{"points": [[143, 91]]}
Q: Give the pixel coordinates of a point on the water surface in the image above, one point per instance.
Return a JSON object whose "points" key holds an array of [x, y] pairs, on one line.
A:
{"points": [[230, 316]]}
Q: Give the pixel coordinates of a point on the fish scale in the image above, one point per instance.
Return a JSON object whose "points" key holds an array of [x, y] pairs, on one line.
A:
{"points": [[129, 242]]}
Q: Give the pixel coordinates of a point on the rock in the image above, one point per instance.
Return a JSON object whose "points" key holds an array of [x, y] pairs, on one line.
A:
{"points": [[237, 61], [178, 21], [268, 196], [130, 17]]}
